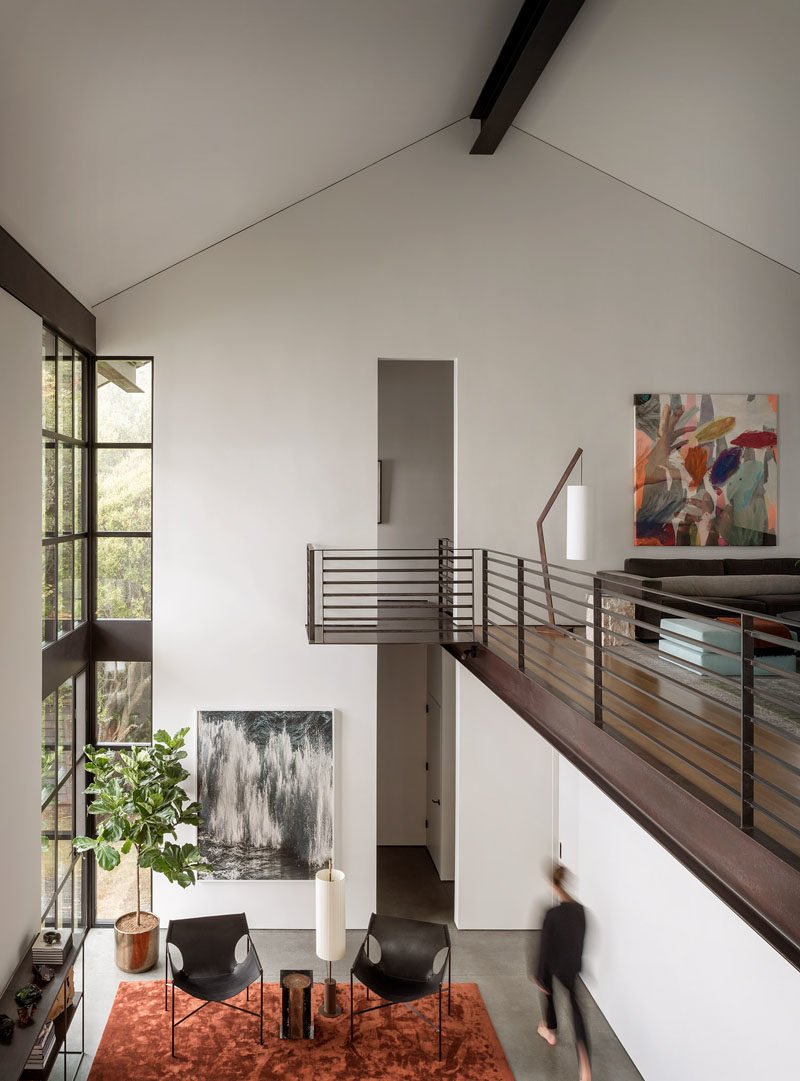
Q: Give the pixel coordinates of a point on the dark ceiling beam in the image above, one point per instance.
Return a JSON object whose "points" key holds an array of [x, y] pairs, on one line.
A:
{"points": [[27, 280], [534, 37]]}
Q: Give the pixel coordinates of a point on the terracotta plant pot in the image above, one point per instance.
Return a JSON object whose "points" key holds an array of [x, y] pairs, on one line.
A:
{"points": [[136, 947]]}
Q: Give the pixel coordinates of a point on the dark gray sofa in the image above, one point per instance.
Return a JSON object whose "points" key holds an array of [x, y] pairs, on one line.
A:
{"points": [[751, 584]]}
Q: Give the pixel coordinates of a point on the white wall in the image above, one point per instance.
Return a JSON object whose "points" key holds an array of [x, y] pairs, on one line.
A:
{"points": [[401, 796], [504, 813], [560, 291], [688, 988], [692, 101], [20, 627]]}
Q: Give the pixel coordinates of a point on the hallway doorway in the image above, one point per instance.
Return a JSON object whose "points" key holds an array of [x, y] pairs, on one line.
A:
{"points": [[415, 683]]}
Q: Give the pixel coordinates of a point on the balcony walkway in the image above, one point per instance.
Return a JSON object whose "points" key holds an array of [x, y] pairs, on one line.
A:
{"points": [[709, 765]]}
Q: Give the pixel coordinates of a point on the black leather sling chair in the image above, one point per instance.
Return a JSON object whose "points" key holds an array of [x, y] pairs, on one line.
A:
{"points": [[209, 969], [413, 957]]}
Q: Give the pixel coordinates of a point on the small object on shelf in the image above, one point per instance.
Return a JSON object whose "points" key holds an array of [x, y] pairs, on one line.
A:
{"points": [[40, 1052], [43, 973], [27, 999], [51, 951], [6, 1028], [64, 998]]}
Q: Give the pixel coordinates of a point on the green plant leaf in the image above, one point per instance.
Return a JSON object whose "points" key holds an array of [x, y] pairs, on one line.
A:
{"points": [[107, 856]]}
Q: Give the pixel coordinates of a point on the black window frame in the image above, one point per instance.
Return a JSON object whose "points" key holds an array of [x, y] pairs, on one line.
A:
{"points": [[74, 652]]}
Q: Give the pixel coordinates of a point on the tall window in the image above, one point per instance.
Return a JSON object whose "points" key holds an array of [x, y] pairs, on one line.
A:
{"points": [[124, 489], [122, 655], [64, 465], [96, 604], [64, 611]]}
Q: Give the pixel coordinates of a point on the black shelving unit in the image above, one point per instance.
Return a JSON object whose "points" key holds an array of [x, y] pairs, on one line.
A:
{"points": [[14, 1056]]}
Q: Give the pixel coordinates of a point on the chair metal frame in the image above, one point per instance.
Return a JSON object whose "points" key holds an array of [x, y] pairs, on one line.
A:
{"points": [[170, 964], [382, 1005]]}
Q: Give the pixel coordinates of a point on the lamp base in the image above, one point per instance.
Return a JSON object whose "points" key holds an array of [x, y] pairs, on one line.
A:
{"points": [[330, 1007]]}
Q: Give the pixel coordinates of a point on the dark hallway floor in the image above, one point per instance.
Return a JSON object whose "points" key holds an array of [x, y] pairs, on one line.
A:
{"points": [[409, 885]]}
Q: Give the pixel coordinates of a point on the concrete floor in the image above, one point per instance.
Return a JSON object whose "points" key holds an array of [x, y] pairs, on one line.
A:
{"points": [[496, 960], [408, 885]]}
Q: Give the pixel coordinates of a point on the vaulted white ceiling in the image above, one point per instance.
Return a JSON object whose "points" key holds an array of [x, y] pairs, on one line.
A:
{"points": [[136, 132], [693, 101]]}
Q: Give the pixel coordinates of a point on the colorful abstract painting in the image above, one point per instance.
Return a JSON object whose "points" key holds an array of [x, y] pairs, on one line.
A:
{"points": [[706, 469]]}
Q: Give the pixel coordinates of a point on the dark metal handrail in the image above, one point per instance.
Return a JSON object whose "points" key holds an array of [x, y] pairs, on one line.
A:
{"points": [[727, 734]]}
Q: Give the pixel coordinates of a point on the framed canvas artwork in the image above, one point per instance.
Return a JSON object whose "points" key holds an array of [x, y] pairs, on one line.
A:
{"points": [[265, 782], [706, 469]]}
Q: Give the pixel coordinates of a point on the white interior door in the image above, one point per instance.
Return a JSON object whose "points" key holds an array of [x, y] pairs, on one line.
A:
{"points": [[433, 814]]}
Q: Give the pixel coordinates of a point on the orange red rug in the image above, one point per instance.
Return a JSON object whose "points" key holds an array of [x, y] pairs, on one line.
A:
{"points": [[222, 1045]]}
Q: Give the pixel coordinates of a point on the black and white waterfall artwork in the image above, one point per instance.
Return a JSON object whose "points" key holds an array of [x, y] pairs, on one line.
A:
{"points": [[265, 782]]}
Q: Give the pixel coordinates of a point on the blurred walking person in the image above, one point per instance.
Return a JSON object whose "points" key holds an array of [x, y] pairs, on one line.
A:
{"points": [[560, 958]]}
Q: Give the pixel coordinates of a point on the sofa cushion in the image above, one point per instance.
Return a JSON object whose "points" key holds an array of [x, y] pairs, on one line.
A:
{"points": [[776, 603], [764, 565], [732, 585], [656, 568]]}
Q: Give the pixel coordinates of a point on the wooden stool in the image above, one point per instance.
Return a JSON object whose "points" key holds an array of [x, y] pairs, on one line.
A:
{"points": [[296, 1004]]}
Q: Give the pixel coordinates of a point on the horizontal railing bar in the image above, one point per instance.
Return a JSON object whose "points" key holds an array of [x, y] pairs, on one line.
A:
{"points": [[734, 737], [432, 556], [641, 667], [499, 600], [401, 582], [429, 611], [371, 628], [655, 720], [759, 779], [612, 587], [687, 761], [776, 818], [670, 634], [591, 575], [446, 553], [431, 574], [573, 690], [537, 646], [761, 694], [764, 753], [788, 643], [732, 763], [762, 662], [766, 725], [416, 593], [334, 620], [511, 632]]}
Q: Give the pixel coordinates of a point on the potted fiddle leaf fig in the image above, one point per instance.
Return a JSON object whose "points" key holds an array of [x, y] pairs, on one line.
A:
{"points": [[140, 800]]}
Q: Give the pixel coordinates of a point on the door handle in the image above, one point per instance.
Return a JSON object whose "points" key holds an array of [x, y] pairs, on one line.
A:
{"points": [[437, 801]]}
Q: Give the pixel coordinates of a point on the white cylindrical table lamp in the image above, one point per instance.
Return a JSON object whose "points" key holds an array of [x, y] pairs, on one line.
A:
{"points": [[580, 521], [330, 889]]}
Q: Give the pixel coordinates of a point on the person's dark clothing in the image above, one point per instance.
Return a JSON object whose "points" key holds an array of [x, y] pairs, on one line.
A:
{"points": [[560, 957]]}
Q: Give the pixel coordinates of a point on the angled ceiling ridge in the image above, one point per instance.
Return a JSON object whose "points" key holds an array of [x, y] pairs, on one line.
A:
{"points": [[281, 210]]}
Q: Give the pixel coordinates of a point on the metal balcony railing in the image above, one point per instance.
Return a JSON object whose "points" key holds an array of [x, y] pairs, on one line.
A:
{"points": [[397, 595], [594, 640]]}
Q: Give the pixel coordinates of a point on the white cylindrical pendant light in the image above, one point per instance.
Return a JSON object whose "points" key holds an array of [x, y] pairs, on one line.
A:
{"points": [[330, 914], [580, 521]]}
